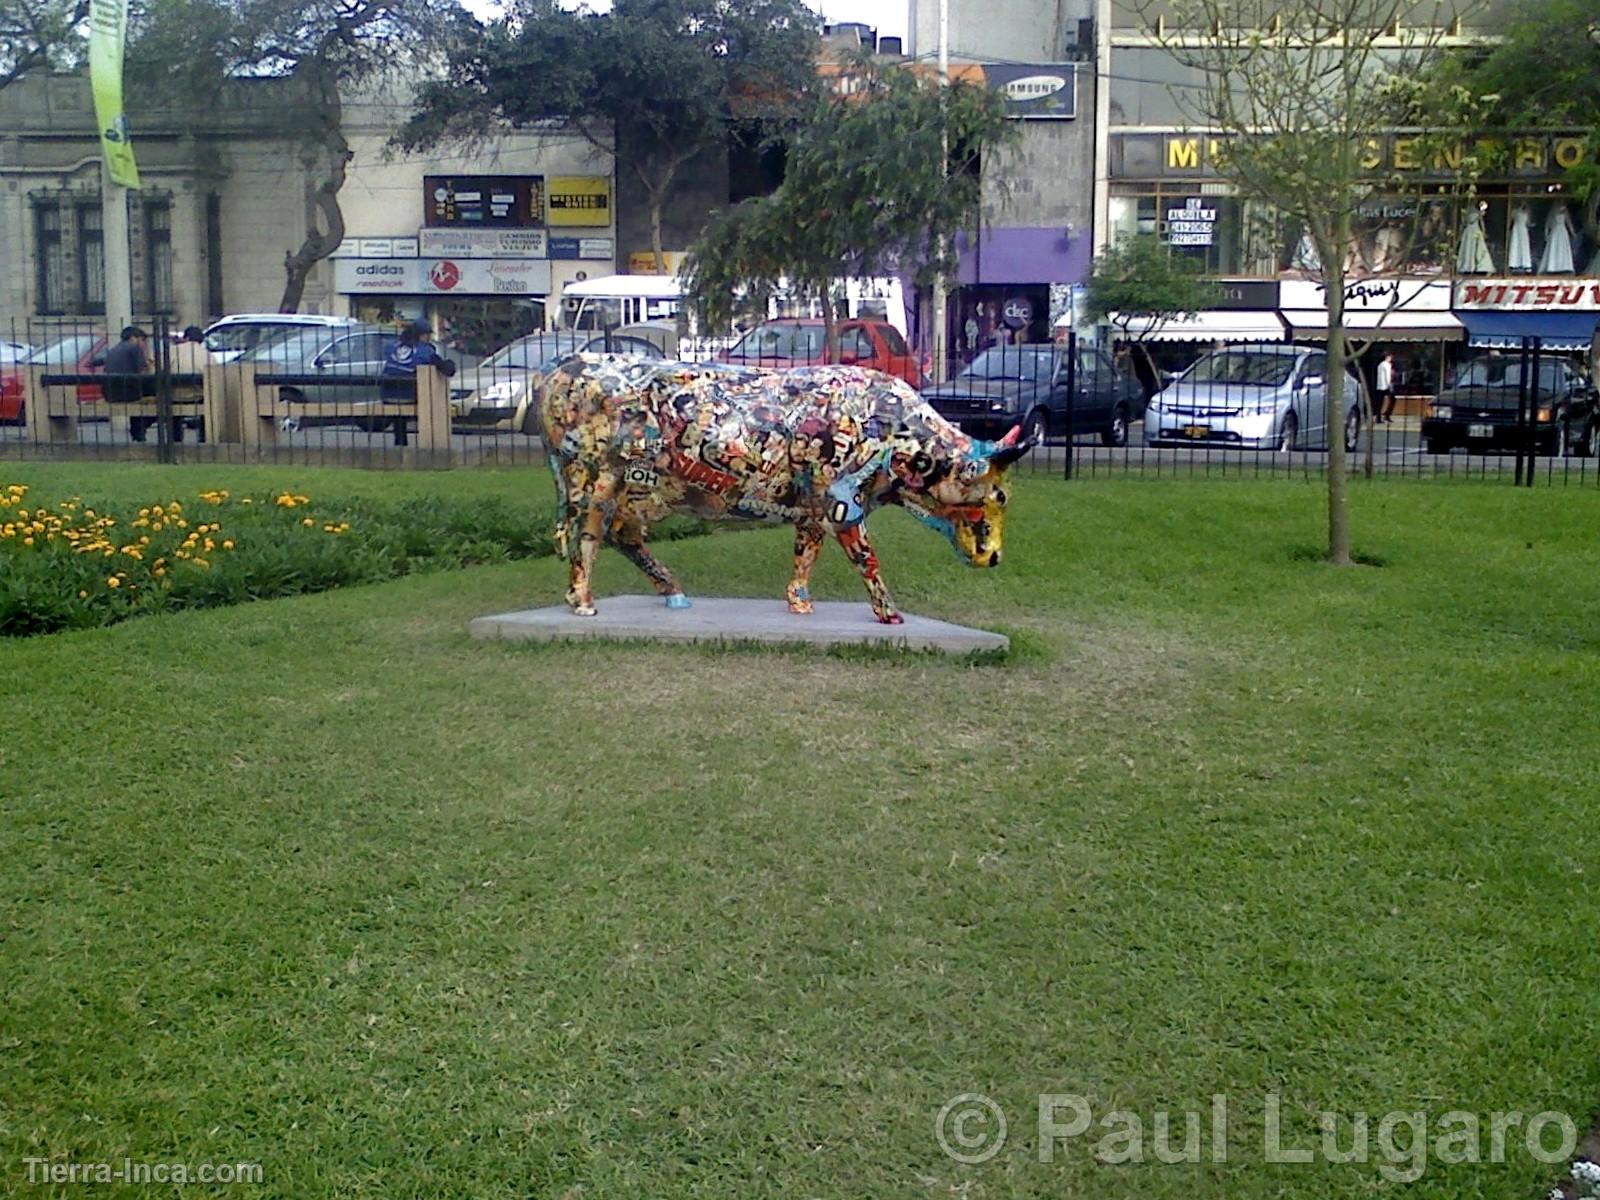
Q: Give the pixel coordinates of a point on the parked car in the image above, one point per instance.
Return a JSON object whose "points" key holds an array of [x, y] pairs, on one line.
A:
{"points": [[323, 356], [1478, 408], [1006, 385], [798, 342], [15, 352], [496, 394], [1257, 397], [75, 354], [235, 336]]}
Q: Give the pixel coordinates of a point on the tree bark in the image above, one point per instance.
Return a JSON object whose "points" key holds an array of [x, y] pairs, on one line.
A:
{"points": [[830, 325], [324, 218]]}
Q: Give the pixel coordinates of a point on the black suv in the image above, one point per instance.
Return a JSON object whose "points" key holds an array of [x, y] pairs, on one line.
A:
{"points": [[1478, 408], [1006, 385]]}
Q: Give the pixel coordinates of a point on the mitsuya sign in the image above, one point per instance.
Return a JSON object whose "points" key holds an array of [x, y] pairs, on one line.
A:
{"points": [[442, 276]]}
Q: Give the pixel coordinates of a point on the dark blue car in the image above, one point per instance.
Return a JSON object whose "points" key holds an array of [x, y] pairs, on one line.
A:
{"points": [[1028, 385]]}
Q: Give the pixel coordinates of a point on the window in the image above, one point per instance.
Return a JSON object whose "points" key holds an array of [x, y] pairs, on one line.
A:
{"points": [[893, 340], [855, 344], [91, 259], [50, 258], [158, 255]]}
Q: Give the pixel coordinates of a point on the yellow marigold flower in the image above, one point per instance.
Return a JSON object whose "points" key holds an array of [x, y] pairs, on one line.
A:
{"points": [[113, 582], [228, 544], [308, 521], [156, 528], [27, 541], [159, 572], [181, 524], [247, 500], [210, 545], [144, 541], [83, 595]]}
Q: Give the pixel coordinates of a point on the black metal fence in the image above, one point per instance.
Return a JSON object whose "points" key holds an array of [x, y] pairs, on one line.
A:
{"points": [[316, 390]]}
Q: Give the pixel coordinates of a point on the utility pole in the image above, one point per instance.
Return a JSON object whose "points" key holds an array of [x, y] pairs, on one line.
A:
{"points": [[114, 251], [939, 317]]}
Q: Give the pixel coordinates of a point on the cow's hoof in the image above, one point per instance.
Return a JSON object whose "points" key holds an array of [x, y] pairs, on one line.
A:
{"points": [[678, 600], [891, 619], [583, 610], [800, 606]]}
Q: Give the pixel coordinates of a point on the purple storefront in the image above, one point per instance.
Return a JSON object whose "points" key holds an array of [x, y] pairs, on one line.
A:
{"points": [[1012, 284]]}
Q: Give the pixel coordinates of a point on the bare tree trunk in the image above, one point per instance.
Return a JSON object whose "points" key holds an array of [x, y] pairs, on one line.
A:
{"points": [[324, 218], [830, 325]]}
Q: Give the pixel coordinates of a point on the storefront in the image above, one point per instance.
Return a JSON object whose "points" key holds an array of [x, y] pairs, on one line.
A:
{"points": [[1004, 295], [1407, 317], [1500, 313], [476, 305]]}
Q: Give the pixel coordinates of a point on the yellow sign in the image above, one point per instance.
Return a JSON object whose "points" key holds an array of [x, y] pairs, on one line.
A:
{"points": [[643, 262], [108, 27], [579, 199]]}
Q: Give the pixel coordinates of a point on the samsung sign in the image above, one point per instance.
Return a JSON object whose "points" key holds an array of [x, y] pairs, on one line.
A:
{"points": [[1036, 91]]}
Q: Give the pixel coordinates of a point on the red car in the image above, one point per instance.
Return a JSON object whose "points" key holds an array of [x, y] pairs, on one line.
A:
{"points": [[75, 354], [798, 342]]}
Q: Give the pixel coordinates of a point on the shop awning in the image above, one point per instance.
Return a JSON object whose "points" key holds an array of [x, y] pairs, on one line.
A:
{"points": [[1505, 330], [1244, 325], [1398, 326]]}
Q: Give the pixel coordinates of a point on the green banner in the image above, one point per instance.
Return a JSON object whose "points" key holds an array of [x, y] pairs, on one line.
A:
{"points": [[108, 27]]}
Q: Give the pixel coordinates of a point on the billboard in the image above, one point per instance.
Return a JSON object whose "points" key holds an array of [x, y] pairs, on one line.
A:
{"points": [[480, 201]]}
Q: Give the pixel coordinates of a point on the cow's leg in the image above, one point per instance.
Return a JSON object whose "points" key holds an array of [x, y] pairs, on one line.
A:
{"points": [[565, 515], [627, 534], [807, 543], [853, 540], [594, 505]]}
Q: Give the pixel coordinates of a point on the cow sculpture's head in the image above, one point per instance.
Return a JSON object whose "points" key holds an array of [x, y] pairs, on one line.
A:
{"points": [[963, 496]]}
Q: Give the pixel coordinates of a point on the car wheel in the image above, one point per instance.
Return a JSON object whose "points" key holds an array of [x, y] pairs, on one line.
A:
{"points": [[1116, 433], [1586, 446], [1287, 433], [1561, 444], [1352, 431], [1036, 428]]}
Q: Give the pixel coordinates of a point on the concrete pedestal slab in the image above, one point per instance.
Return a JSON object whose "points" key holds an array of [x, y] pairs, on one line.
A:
{"points": [[647, 618]]}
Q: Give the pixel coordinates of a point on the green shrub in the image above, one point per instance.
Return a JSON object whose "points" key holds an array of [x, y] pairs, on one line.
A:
{"points": [[77, 565]]}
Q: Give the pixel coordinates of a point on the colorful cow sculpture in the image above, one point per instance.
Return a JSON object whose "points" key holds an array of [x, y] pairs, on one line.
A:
{"points": [[631, 440]]}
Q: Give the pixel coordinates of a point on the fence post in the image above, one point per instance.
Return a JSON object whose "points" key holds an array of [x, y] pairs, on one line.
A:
{"points": [[223, 403], [433, 412], [1533, 413], [1072, 398], [163, 397], [258, 425], [42, 425]]}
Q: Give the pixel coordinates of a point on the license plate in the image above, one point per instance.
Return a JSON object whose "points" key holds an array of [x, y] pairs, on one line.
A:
{"points": [[1197, 431], [1480, 431]]}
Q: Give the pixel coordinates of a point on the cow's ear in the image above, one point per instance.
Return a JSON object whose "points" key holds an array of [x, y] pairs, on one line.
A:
{"points": [[1010, 439], [1007, 452]]}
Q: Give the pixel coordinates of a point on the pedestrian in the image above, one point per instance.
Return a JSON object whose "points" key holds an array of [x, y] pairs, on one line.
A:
{"points": [[1385, 388], [414, 349], [128, 376]]}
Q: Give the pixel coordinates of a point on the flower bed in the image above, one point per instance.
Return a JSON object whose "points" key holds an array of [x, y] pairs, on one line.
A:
{"points": [[73, 565]]}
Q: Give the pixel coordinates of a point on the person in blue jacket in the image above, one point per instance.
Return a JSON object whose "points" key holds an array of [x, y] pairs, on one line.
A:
{"points": [[414, 349]]}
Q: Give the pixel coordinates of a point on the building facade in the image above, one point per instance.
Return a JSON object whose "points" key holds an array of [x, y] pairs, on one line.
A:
{"points": [[207, 229]]}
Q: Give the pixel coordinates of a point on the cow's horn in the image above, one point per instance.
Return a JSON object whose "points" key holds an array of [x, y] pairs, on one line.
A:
{"points": [[1009, 449]]}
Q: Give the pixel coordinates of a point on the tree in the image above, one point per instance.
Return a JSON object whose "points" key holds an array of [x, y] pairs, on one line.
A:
{"points": [[1294, 90], [188, 52], [1140, 278], [39, 35], [652, 83], [881, 173]]}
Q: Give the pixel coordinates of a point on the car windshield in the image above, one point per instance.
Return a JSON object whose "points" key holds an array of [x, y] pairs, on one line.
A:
{"points": [[64, 353], [529, 354], [1493, 372], [1011, 363], [14, 352], [780, 341], [1242, 368]]}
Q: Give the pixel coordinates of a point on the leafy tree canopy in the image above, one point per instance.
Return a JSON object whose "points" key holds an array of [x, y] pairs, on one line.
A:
{"points": [[39, 35], [1141, 276], [880, 176], [652, 82]]}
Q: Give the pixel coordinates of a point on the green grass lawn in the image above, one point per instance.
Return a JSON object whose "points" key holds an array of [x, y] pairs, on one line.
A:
{"points": [[323, 884]]}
